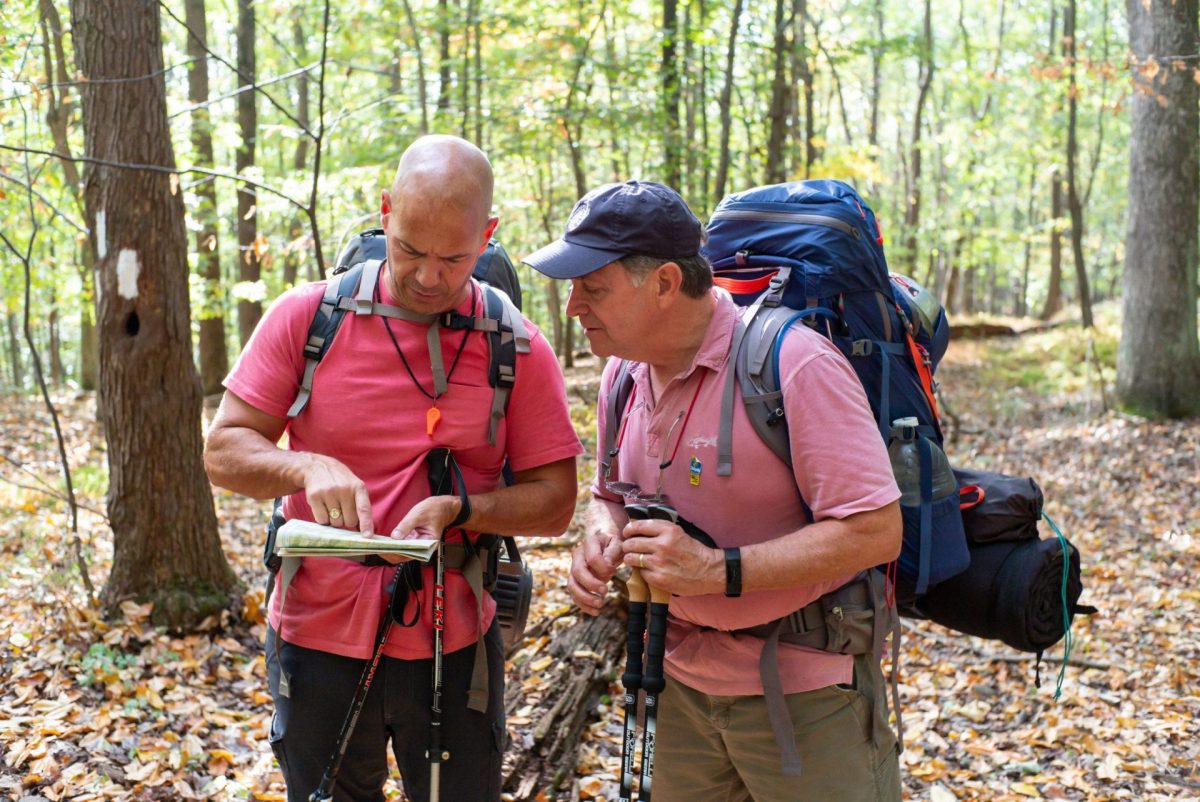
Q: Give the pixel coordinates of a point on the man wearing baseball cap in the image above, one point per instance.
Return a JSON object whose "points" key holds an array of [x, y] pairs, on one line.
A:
{"points": [[645, 297]]}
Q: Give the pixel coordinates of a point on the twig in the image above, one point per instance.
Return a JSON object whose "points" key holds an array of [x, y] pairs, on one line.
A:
{"points": [[156, 168], [24, 258], [53, 494]]}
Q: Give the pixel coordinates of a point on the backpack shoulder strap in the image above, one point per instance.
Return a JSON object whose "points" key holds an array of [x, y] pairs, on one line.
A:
{"points": [[618, 399], [507, 336], [338, 297]]}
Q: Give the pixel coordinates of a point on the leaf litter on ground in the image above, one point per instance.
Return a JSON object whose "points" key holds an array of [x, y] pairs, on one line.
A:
{"points": [[97, 710]]}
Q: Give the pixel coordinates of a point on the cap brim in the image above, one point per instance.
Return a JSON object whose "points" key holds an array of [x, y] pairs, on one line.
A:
{"points": [[566, 260]]}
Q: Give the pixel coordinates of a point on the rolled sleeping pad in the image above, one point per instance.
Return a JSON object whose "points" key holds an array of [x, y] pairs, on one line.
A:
{"points": [[998, 507], [1011, 592]]}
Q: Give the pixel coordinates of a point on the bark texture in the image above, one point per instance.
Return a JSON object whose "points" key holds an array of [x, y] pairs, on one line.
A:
{"points": [[1158, 364], [165, 542]]}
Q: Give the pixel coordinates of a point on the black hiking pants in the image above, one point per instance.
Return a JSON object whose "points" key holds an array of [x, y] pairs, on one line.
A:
{"points": [[305, 726]]}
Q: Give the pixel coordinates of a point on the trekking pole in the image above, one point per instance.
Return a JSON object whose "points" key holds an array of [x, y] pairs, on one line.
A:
{"points": [[653, 681], [639, 592], [436, 755], [324, 791]]}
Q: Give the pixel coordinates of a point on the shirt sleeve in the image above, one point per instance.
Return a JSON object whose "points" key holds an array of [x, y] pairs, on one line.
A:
{"points": [[839, 460], [538, 420], [267, 374]]}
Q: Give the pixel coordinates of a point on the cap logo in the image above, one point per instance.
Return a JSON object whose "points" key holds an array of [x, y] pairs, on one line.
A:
{"points": [[579, 215]]}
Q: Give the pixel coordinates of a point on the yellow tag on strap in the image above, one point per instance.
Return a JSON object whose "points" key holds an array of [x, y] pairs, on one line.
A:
{"points": [[432, 418]]}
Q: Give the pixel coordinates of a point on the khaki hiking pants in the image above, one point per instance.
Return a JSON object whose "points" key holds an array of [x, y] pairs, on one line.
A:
{"points": [[721, 749]]}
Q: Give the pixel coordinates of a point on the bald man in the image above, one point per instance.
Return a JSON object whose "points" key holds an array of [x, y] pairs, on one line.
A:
{"points": [[356, 459]]}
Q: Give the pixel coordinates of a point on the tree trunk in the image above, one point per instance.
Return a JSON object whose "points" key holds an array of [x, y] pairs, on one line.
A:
{"points": [[726, 103], [804, 75], [1054, 301], [672, 144], [477, 28], [57, 374], [214, 357], [249, 311], [1158, 363], [165, 543], [1073, 204], [443, 32], [296, 251], [776, 171], [416, 46], [14, 353], [1022, 307], [58, 114], [912, 210]]}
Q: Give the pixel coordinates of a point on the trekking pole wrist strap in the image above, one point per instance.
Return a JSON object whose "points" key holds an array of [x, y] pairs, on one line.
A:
{"points": [[733, 572], [464, 510]]}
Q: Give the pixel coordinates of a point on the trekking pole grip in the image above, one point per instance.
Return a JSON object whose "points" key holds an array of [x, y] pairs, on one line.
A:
{"points": [[656, 637]]}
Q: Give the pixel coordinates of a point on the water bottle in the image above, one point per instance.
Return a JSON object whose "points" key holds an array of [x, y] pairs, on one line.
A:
{"points": [[905, 455]]}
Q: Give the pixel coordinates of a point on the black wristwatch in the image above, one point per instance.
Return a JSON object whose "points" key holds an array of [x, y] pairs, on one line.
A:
{"points": [[733, 572]]}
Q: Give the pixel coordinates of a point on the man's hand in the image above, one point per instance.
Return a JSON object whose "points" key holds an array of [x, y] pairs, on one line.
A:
{"points": [[671, 560], [337, 497], [594, 561]]}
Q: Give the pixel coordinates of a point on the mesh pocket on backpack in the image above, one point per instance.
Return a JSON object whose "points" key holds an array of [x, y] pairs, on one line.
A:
{"points": [[947, 545]]}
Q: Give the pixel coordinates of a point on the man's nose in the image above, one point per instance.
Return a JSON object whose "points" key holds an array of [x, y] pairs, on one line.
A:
{"points": [[427, 274], [574, 305]]}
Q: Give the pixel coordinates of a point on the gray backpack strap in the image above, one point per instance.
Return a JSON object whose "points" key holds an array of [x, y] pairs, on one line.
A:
{"points": [[507, 336], [321, 331], [618, 399], [288, 566]]}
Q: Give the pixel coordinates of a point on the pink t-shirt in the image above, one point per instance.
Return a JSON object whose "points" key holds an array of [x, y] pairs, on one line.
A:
{"points": [[366, 412], [841, 468]]}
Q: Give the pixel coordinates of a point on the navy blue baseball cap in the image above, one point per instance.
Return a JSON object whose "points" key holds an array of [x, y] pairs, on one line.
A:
{"points": [[637, 218]]}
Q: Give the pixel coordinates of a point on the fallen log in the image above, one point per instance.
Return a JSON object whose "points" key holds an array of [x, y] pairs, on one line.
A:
{"points": [[551, 705]]}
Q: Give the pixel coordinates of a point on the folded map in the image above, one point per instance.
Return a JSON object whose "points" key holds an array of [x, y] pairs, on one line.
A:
{"points": [[307, 539]]}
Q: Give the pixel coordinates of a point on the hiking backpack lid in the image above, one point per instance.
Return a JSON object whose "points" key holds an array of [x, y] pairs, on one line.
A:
{"points": [[493, 267], [814, 226]]}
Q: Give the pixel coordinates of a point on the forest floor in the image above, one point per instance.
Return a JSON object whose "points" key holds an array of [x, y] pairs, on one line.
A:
{"points": [[95, 710]]}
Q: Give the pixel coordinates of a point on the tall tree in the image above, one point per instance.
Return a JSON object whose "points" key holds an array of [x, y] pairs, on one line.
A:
{"points": [[1158, 363], [669, 76], [1073, 203], [214, 356], [1054, 294], [249, 269], [165, 543], [726, 103], [912, 209], [781, 92], [802, 69], [58, 120]]}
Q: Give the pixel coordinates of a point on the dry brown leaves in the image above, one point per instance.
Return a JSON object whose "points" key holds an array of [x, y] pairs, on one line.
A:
{"points": [[90, 710]]}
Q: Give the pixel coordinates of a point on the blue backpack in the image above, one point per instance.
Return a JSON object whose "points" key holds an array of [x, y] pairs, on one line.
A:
{"points": [[812, 252]]}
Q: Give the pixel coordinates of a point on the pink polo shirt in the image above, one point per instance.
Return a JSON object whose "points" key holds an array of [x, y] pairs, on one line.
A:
{"points": [[840, 466], [366, 412]]}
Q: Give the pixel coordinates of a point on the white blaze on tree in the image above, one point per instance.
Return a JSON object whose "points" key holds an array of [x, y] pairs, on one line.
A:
{"points": [[128, 267], [101, 235]]}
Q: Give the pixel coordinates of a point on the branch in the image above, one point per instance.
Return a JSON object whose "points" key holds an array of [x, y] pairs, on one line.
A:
{"points": [[247, 87], [46, 201], [54, 494], [158, 168], [243, 78], [318, 142]]}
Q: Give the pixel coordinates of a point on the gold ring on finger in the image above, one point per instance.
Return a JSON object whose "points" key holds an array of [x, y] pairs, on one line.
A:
{"points": [[334, 513], [641, 560]]}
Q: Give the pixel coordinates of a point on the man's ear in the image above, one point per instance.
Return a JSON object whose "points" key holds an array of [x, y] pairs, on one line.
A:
{"points": [[385, 207], [489, 231], [668, 279]]}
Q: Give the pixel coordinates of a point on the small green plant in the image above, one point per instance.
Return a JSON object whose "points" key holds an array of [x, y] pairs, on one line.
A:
{"points": [[103, 664]]}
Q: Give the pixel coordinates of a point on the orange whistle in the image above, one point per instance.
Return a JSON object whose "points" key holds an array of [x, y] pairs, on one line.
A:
{"points": [[432, 418]]}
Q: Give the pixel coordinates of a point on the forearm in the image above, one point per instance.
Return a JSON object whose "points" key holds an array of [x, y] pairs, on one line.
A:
{"points": [[821, 552], [244, 461], [541, 502]]}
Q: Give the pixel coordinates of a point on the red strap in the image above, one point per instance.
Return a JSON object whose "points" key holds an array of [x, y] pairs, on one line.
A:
{"points": [[921, 361], [967, 490], [744, 286]]}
